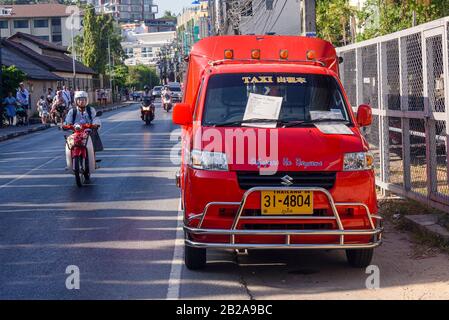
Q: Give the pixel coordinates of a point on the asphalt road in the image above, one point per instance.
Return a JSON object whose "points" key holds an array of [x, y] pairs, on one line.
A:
{"points": [[122, 232]]}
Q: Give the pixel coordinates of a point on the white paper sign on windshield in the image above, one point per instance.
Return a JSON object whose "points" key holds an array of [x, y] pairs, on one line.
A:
{"points": [[333, 128], [262, 107]]}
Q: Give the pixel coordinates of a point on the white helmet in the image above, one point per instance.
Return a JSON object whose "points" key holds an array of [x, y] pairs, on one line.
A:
{"points": [[81, 94]]}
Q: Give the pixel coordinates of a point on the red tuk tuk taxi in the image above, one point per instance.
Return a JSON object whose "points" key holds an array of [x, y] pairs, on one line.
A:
{"points": [[272, 153]]}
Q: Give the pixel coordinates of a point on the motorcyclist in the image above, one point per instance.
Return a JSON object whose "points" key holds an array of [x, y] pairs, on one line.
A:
{"points": [[58, 101], [82, 113], [147, 99]]}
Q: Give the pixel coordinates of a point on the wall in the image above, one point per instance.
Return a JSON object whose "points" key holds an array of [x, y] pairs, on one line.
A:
{"points": [[284, 18]]}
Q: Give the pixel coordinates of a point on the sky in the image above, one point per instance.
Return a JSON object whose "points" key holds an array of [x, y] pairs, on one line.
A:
{"points": [[173, 5]]}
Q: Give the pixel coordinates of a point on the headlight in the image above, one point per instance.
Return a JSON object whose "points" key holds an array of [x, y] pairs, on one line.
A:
{"points": [[146, 108], [358, 161], [207, 160]]}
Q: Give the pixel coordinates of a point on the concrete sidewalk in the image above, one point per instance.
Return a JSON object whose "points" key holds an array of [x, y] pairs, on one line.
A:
{"points": [[13, 132]]}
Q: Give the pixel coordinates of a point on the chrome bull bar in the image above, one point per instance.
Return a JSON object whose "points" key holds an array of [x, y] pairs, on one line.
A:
{"points": [[375, 232]]}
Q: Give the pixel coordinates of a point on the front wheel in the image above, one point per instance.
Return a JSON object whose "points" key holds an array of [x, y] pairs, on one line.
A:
{"points": [[194, 258], [359, 258], [79, 177]]}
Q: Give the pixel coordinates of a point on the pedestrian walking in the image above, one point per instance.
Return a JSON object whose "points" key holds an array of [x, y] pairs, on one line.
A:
{"points": [[43, 109], [10, 103], [66, 95], [23, 98]]}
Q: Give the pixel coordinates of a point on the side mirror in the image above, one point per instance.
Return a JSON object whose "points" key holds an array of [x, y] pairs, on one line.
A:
{"points": [[182, 115], [364, 115], [99, 113]]}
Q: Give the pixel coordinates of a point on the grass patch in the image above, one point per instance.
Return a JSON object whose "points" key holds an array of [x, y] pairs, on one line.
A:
{"points": [[425, 244]]}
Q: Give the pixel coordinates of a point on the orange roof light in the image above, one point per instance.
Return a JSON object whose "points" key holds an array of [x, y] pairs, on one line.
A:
{"points": [[311, 55], [255, 54], [229, 54], [283, 54]]}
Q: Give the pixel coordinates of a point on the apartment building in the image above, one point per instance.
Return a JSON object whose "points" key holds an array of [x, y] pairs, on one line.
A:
{"points": [[143, 48], [129, 10], [45, 21]]}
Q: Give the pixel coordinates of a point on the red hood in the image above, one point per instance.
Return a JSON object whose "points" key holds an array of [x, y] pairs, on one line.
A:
{"points": [[298, 149]]}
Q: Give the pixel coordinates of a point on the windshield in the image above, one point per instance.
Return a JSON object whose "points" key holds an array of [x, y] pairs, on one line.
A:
{"points": [[305, 97], [174, 89]]}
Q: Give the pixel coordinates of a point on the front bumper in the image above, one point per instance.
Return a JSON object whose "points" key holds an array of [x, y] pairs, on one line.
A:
{"points": [[374, 232]]}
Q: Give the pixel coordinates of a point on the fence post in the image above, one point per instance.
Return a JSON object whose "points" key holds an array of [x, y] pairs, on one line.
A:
{"points": [[405, 123]]}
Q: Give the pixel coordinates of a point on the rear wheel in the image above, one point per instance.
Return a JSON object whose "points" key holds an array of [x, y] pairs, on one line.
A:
{"points": [[194, 258], [359, 258]]}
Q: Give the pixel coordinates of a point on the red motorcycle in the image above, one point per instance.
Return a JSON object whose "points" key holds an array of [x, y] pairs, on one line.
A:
{"points": [[80, 155]]}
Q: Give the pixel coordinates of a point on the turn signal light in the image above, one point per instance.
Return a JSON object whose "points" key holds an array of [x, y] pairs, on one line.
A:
{"points": [[229, 54], [283, 54], [311, 55], [255, 54]]}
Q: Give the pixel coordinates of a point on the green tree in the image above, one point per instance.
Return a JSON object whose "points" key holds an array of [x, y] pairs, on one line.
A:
{"points": [[141, 75], [380, 17], [168, 15], [99, 31], [334, 19], [11, 77]]}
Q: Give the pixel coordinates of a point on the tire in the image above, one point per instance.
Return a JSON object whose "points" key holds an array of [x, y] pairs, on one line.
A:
{"points": [[359, 258], [86, 170], [194, 258], [77, 172]]}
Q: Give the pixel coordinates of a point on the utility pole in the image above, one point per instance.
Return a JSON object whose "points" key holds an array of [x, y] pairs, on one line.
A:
{"points": [[308, 18], [110, 67]]}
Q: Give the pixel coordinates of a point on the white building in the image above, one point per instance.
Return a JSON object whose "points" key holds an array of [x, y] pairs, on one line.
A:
{"points": [[46, 21], [143, 47]]}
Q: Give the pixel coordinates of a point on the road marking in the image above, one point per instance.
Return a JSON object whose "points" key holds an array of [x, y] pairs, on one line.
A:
{"points": [[27, 173], [44, 164], [174, 282]]}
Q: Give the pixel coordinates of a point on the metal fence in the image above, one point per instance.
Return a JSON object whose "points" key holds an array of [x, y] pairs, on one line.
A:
{"points": [[404, 77]]}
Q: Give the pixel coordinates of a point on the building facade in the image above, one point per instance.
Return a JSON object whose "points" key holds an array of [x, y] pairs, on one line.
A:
{"points": [[129, 10], [194, 24], [255, 17], [45, 21], [144, 47]]}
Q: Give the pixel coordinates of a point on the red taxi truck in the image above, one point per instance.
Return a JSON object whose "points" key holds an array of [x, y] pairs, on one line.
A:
{"points": [[272, 155]]}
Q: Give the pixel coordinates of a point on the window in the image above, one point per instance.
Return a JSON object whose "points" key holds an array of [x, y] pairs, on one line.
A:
{"points": [[3, 24], [57, 38], [56, 22], [129, 52], [20, 24], [41, 23], [46, 38], [305, 97]]}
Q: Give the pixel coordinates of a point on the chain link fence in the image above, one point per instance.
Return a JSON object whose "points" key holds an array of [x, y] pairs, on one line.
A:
{"points": [[404, 77]]}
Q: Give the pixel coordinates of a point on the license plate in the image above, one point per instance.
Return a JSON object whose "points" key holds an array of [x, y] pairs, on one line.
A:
{"points": [[286, 202]]}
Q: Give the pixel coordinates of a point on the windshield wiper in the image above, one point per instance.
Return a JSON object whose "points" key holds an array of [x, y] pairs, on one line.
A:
{"points": [[295, 123], [240, 122]]}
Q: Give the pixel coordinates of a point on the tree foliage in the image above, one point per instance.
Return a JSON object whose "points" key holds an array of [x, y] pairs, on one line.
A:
{"points": [[11, 77], [338, 21], [92, 45], [140, 76]]}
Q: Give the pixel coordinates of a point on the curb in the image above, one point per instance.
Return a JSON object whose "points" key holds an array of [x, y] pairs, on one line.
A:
{"points": [[428, 224], [47, 126]]}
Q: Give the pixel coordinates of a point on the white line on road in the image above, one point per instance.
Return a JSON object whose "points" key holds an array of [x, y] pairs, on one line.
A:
{"points": [[27, 173], [49, 161], [174, 282]]}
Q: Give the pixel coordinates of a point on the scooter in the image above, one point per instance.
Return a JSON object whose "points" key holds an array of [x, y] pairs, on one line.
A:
{"points": [[59, 114], [80, 153], [167, 102], [147, 111]]}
